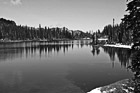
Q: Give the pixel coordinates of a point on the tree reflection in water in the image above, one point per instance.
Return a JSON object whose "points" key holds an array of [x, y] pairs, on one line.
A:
{"points": [[129, 59], [122, 54], [18, 50], [95, 50], [10, 52]]}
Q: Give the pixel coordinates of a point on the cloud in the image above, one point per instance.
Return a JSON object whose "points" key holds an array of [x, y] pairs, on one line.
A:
{"points": [[16, 2]]}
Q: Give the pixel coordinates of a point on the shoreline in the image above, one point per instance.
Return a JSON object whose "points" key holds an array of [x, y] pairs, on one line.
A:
{"points": [[45, 40], [22, 41], [122, 86], [56, 40], [118, 46], [118, 85]]}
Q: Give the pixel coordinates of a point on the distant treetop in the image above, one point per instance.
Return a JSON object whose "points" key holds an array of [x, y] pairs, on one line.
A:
{"points": [[2, 20]]}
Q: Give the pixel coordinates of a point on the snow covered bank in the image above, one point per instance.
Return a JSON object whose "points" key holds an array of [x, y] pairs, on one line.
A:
{"points": [[118, 45], [123, 86], [97, 90]]}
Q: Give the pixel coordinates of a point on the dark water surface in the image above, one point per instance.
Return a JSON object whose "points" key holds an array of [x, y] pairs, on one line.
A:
{"points": [[60, 67]]}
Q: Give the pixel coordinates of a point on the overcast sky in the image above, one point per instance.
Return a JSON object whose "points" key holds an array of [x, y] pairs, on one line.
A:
{"points": [[74, 14]]}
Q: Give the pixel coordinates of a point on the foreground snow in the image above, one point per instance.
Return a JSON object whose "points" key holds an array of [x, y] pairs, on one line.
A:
{"points": [[118, 45], [123, 86], [97, 90]]}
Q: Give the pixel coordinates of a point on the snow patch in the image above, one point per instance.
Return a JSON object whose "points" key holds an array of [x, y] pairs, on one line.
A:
{"points": [[131, 88], [111, 90], [97, 90], [126, 90], [118, 45]]}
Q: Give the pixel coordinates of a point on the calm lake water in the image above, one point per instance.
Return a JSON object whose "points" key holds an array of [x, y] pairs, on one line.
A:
{"points": [[60, 67]]}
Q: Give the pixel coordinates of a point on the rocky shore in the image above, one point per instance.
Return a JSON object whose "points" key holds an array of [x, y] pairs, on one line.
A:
{"points": [[123, 86]]}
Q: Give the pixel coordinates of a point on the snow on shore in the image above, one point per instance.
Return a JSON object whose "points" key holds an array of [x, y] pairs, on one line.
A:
{"points": [[118, 45], [97, 90], [123, 86]]}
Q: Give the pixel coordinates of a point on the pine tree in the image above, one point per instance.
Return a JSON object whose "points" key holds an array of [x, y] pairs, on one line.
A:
{"points": [[132, 19]]}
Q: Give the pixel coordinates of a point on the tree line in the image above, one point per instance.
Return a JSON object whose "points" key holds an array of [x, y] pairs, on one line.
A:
{"points": [[117, 34], [10, 31], [128, 31]]}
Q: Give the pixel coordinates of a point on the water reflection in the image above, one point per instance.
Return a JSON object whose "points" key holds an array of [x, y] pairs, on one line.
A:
{"points": [[47, 49], [56, 67], [95, 50], [18, 50], [10, 53], [111, 51], [122, 54], [128, 58], [99, 72]]}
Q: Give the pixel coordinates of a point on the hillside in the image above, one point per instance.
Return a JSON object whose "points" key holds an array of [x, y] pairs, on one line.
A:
{"points": [[10, 31]]}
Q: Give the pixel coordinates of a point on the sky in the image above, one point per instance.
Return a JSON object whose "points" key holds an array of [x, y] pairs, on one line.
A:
{"points": [[85, 15]]}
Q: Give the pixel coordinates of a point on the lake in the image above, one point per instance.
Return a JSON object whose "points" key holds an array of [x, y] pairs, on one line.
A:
{"points": [[60, 67]]}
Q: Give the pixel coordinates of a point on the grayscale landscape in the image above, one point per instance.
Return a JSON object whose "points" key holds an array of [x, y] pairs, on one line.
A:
{"points": [[69, 46]]}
